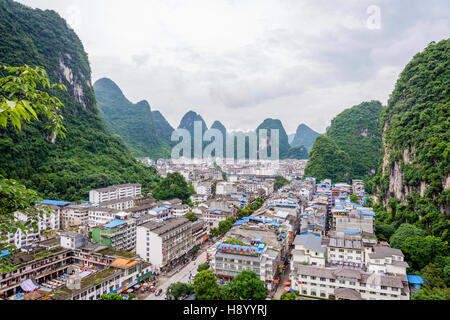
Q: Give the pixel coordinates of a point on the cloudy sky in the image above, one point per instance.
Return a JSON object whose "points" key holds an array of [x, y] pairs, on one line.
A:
{"points": [[241, 61]]}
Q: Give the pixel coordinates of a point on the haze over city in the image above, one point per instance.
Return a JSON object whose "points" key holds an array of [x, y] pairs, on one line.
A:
{"points": [[244, 61]]}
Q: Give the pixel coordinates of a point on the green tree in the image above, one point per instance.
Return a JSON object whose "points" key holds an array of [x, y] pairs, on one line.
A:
{"points": [[430, 293], [203, 266], [384, 231], [179, 290], [22, 99], [280, 182], [354, 198], [206, 287], [404, 231], [173, 186], [434, 275], [245, 286], [288, 296], [111, 296], [420, 251], [192, 217], [328, 161]]}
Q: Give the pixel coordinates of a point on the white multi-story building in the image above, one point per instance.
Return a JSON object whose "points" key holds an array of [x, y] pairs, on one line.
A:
{"points": [[115, 192], [45, 222], [228, 260], [101, 215], [73, 240], [180, 210], [347, 284], [309, 250], [203, 188], [75, 215], [162, 242]]}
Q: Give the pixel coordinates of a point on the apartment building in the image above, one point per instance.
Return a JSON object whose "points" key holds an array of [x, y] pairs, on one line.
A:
{"points": [[75, 215], [163, 242], [115, 192], [224, 188], [203, 188], [73, 240], [117, 234], [162, 213], [343, 283], [228, 260], [102, 215], [180, 210], [354, 219], [44, 223], [308, 249], [119, 204]]}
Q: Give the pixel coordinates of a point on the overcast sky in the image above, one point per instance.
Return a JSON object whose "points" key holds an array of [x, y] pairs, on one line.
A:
{"points": [[241, 61]]}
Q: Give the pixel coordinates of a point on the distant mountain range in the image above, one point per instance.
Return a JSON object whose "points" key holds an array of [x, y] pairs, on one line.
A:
{"points": [[304, 136], [148, 134], [145, 132]]}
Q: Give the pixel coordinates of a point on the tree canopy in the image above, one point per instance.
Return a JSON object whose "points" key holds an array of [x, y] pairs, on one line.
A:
{"points": [[245, 286]]}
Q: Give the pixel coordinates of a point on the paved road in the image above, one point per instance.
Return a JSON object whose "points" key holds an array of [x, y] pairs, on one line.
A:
{"points": [[181, 276]]}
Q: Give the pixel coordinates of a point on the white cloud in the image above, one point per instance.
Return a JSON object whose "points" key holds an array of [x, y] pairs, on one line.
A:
{"points": [[243, 61]]}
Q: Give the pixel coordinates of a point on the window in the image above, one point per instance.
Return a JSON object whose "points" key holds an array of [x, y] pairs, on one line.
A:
{"points": [[323, 279]]}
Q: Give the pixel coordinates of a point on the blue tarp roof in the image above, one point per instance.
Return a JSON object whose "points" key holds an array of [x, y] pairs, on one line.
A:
{"points": [[53, 202], [161, 208], [367, 213], [413, 279], [4, 253], [306, 233], [281, 214], [304, 213], [352, 231], [114, 223]]}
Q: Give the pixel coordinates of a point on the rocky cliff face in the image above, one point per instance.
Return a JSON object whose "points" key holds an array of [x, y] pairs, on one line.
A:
{"points": [[416, 132]]}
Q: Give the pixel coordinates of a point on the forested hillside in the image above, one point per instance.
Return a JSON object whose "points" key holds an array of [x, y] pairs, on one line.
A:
{"points": [[88, 157], [413, 178], [356, 132], [134, 123], [304, 136]]}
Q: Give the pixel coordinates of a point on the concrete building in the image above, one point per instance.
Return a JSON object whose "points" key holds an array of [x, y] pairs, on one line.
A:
{"points": [[163, 242], [102, 215], [73, 240], [347, 284], [228, 260], [117, 234], [308, 249], [115, 192]]}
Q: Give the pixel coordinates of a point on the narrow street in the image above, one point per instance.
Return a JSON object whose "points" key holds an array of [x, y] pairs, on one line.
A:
{"points": [[182, 275]]}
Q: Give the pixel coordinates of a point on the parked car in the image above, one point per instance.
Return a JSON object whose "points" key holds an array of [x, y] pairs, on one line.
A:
{"points": [[158, 292]]}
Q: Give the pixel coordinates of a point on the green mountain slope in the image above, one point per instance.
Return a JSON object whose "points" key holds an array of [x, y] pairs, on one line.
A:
{"points": [[219, 126], [89, 157], [356, 132], [271, 124], [188, 122], [416, 135], [328, 161], [304, 136], [133, 122]]}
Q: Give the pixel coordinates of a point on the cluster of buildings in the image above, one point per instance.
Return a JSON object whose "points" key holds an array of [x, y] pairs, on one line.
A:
{"points": [[324, 242], [336, 254], [116, 238], [307, 232]]}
